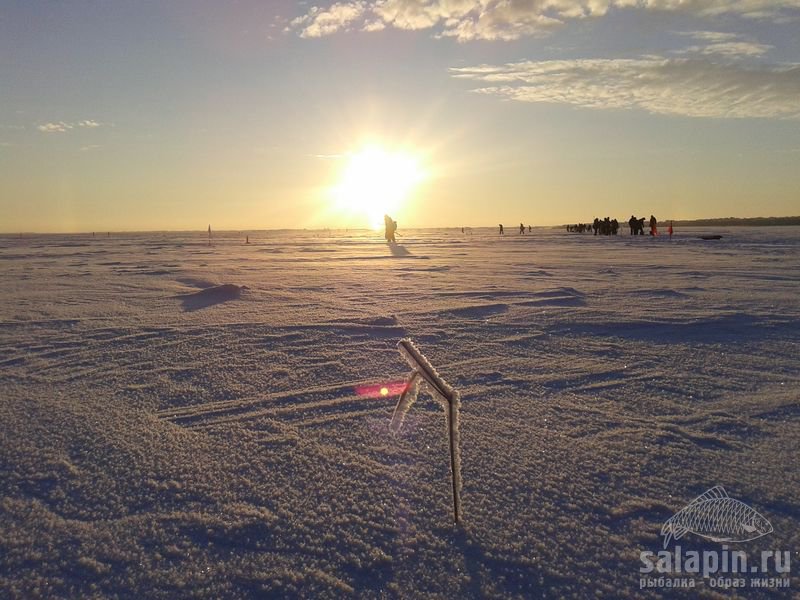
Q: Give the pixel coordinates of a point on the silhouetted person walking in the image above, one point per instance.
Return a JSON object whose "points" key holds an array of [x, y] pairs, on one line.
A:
{"points": [[502, 232], [521, 229], [653, 225], [391, 228]]}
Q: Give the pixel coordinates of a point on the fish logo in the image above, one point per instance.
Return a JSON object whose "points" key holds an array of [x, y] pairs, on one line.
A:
{"points": [[716, 516]]}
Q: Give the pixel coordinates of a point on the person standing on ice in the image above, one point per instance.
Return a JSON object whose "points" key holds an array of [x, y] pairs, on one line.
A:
{"points": [[669, 230], [501, 230], [653, 225], [521, 229], [391, 226]]}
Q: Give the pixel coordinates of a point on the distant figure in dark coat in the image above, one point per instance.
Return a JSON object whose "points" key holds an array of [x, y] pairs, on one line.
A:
{"points": [[669, 230], [521, 229], [391, 227], [653, 225], [529, 228], [501, 230], [640, 226], [632, 224], [596, 225]]}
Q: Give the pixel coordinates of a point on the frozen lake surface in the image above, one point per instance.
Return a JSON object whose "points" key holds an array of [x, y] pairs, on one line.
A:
{"points": [[179, 420]]}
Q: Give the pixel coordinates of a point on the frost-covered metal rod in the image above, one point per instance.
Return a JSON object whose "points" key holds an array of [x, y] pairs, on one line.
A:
{"points": [[447, 396]]}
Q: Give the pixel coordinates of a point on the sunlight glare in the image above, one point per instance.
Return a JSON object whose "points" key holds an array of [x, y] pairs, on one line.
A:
{"points": [[376, 182]]}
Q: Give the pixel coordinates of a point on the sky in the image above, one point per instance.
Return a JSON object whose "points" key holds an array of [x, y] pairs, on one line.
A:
{"points": [[252, 114]]}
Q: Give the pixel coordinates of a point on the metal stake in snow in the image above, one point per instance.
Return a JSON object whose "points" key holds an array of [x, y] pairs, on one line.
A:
{"points": [[424, 375]]}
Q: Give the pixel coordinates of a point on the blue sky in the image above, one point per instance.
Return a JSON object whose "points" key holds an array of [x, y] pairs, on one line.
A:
{"points": [[170, 115]]}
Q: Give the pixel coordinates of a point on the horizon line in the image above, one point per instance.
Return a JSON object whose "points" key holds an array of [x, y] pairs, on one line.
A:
{"points": [[204, 230]]}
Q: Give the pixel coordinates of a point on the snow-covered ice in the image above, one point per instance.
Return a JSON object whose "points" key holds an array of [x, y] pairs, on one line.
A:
{"points": [[179, 420]]}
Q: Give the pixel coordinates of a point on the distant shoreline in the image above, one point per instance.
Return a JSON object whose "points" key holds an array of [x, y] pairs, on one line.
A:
{"points": [[740, 222]]}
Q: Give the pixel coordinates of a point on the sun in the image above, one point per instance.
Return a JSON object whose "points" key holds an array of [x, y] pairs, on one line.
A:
{"points": [[375, 182]]}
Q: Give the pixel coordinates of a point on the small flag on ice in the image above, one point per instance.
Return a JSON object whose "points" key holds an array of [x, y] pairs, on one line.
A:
{"points": [[425, 377]]}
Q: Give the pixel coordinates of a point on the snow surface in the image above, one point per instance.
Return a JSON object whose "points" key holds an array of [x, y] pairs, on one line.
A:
{"points": [[179, 420]]}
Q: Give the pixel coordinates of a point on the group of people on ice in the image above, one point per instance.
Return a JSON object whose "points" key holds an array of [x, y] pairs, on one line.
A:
{"points": [[579, 228], [637, 226], [606, 226], [521, 229], [609, 226]]}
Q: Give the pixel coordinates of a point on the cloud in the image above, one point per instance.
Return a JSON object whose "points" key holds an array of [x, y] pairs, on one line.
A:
{"points": [[375, 25], [729, 45], [327, 156], [715, 37], [62, 127], [503, 23], [731, 49], [420, 14], [318, 22], [667, 86], [511, 19], [59, 127]]}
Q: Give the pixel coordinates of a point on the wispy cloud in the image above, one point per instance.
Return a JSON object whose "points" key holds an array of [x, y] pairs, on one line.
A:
{"points": [[511, 19], [63, 127], [59, 127], [327, 156], [667, 86], [729, 45]]}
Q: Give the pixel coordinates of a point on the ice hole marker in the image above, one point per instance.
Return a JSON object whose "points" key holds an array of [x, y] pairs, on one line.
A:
{"points": [[425, 378]]}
